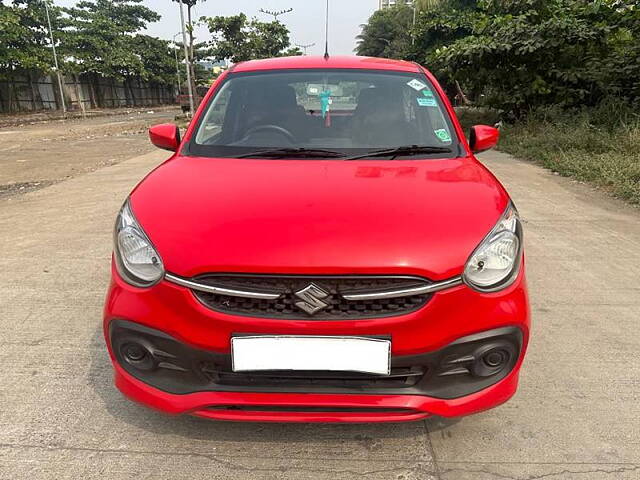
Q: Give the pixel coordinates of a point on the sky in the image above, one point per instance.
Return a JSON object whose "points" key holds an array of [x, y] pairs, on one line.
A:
{"points": [[306, 22]]}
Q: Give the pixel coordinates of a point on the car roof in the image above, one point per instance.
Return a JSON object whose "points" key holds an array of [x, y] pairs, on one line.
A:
{"points": [[301, 62]]}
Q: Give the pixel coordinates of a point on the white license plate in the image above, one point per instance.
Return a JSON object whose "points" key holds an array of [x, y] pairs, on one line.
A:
{"points": [[342, 354]]}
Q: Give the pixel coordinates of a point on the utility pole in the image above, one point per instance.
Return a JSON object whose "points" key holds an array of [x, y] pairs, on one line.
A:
{"points": [[413, 32], [186, 58], [175, 51], [190, 4], [305, 47], [55, 58], [276, 14]]}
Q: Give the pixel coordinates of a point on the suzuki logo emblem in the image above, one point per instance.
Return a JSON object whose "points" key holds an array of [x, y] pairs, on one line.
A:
{"points": [[311, 298]]}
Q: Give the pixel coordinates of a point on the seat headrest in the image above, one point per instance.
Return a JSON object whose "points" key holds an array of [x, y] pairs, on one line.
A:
{"points": [[282, 96], [376, 99]]}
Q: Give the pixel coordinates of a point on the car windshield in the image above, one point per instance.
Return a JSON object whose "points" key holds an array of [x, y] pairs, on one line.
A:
{"points": [[324, 113]]}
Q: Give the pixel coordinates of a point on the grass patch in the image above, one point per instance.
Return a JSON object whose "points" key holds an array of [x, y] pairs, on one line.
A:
{"points": [[598, 145]]}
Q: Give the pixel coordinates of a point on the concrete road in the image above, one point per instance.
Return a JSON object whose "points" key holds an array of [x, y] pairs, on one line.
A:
{"points": [[576, 416]]}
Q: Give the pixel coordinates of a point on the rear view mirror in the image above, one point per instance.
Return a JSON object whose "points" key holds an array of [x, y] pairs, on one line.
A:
{"points": [[483, 137], [165, 136], [314, 89]]}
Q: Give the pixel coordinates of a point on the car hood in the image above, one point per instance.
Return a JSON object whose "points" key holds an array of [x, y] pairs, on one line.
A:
{"points": [[419, 217]]}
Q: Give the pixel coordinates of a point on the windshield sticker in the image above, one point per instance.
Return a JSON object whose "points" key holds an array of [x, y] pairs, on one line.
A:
{"points": [[417, 84], [427, 93], [427, 102], [443, 135]]}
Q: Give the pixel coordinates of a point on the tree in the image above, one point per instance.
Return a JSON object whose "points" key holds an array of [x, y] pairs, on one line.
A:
{"points": [[426, 5], [621, 71], [517, 55], [440, 25], [99, 41], [99, 36], [24, 40], [25, 46], [522, 54], [387, 33], [238, 39], [156, 58]]}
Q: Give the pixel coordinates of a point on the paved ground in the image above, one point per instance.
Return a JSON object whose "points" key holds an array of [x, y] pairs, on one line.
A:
{"points": [[576, 416]]}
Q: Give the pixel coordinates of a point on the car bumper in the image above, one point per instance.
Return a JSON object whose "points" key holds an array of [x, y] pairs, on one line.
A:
{"points": [[449, 316], [312, 407]]}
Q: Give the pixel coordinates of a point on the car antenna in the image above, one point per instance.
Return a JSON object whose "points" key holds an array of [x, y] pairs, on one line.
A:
{"points": [[326, 34]]}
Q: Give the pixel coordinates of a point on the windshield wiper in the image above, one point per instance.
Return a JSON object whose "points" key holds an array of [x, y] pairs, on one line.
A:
{"points": [[404, 150], [293, 153]]}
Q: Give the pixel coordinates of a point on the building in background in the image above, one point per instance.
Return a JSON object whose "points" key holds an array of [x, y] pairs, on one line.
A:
{"points": [[214, 67], [392, 3]]}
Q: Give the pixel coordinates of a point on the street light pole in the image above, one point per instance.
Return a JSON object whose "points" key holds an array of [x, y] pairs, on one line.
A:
{"points": [[175, 52], [413, 32], [276, 14], [186, 58], [55, 58], [305, 47]]}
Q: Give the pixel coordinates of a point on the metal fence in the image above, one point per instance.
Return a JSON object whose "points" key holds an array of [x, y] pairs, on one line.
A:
{"points": [[29, 93]]}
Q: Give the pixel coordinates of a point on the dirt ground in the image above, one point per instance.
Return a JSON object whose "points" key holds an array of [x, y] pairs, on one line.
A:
{"points": [[34, 155]]}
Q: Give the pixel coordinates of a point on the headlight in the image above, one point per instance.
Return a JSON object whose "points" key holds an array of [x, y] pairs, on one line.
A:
{"points": [[137, 261], [495, 263]]}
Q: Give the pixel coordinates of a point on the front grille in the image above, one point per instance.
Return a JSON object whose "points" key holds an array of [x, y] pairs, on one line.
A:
{"points": [[400, 377], [337, 307]]}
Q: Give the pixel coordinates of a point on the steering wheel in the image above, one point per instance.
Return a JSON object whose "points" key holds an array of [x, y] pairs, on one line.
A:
{"points": [[275, 128]]}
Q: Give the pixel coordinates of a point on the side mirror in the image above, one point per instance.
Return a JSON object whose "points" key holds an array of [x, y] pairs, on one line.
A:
{"points": [[165, 136], [483, 138]]}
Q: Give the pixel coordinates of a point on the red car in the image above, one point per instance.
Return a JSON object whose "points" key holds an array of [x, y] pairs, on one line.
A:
{"points": [[321, 246]]}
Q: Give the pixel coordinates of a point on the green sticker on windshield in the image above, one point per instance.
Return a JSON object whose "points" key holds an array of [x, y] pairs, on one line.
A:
{"points": [[427, 102], [427, 93], [443, 135]]}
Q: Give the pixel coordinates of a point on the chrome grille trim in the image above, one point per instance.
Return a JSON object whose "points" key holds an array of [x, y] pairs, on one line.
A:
{"points": [[407, 292], [219, 290]]}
